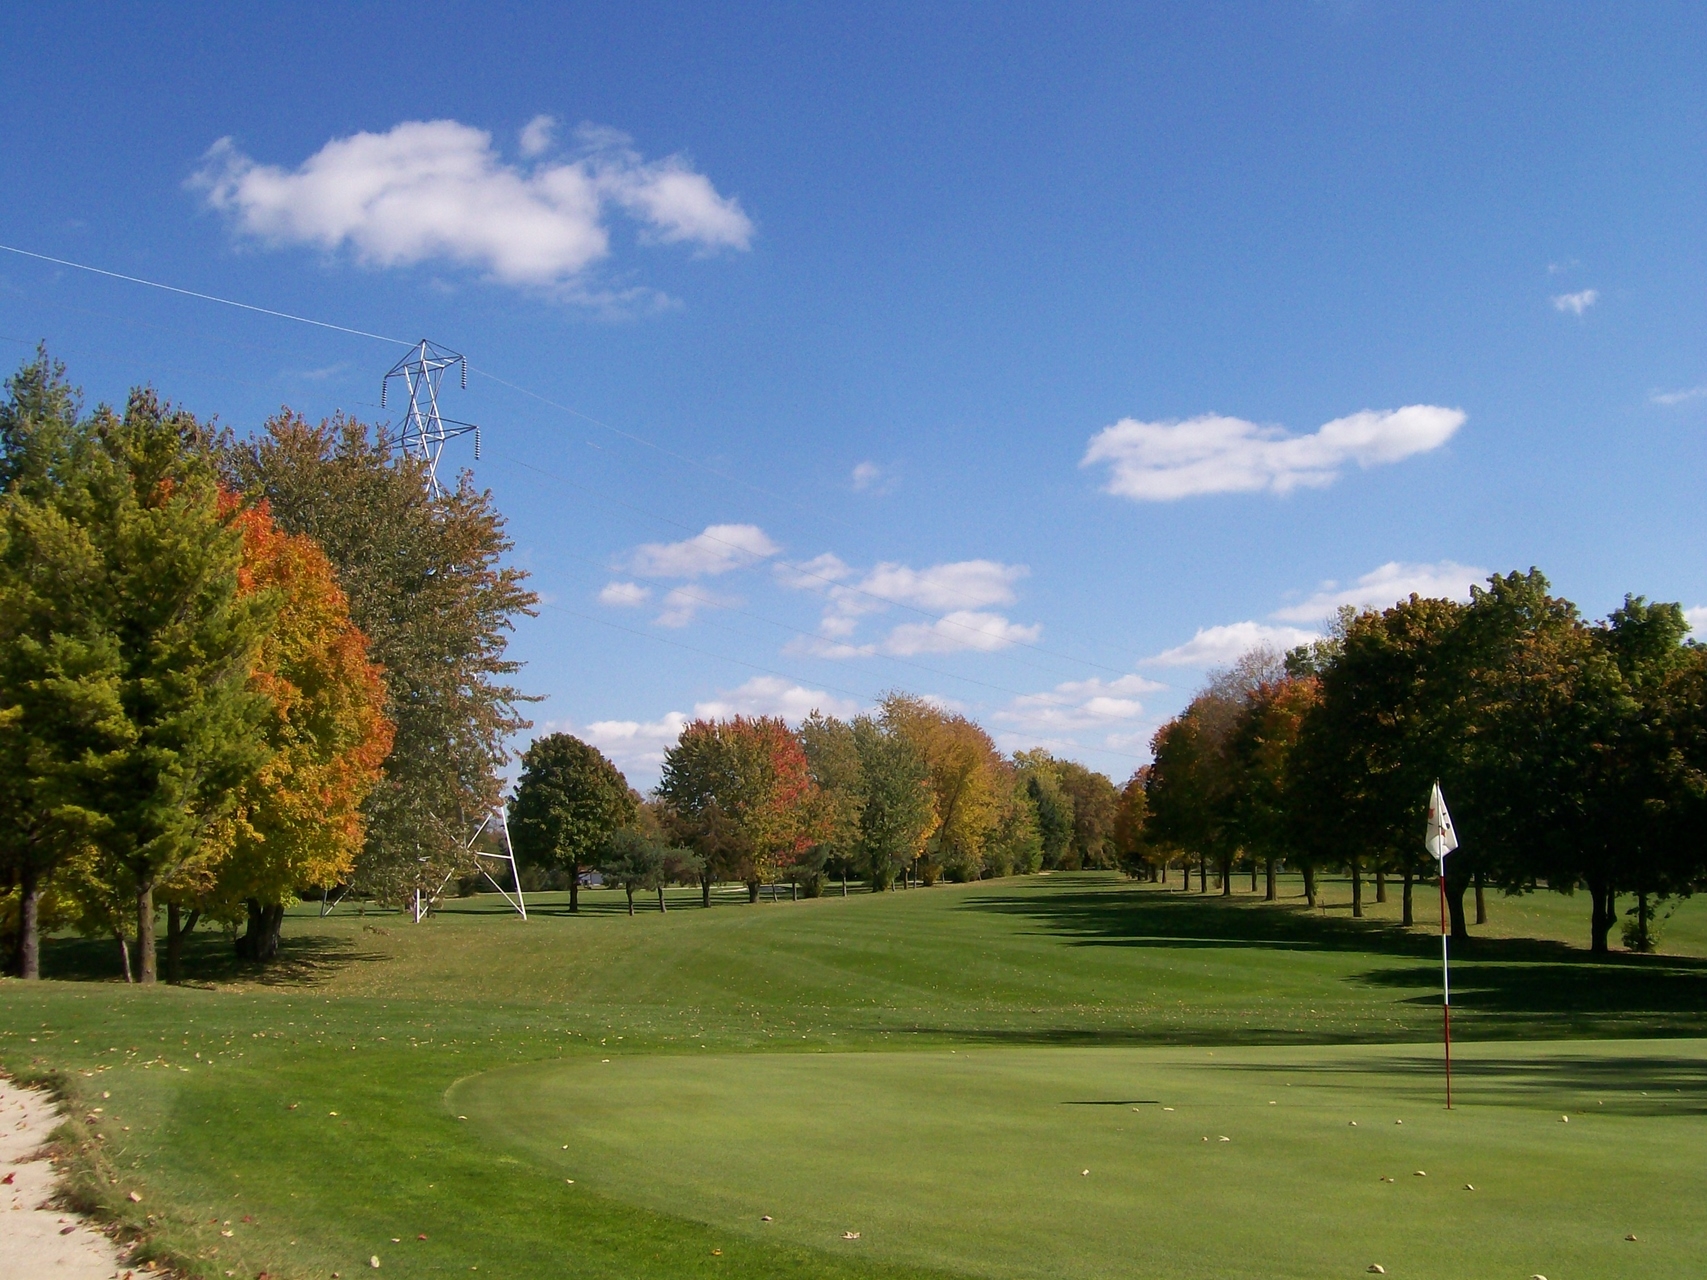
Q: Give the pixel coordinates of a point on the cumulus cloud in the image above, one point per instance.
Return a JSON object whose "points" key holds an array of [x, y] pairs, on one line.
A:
{"points": [[438, 190], [962, 591], [1381, 587], [537, 136], [775, 696], [958, 631], [1219, 646], [1697, 619], [1164, 461], [1576, 303], [637, 746], [721, 548], [1669, 398], [1079, 706], [683, 604], [625, 595]]}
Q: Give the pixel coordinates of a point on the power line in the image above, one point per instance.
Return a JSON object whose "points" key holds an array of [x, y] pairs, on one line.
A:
{"points": [[774, 557]]}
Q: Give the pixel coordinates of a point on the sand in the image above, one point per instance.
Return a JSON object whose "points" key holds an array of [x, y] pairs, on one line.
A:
{"points": [[37, 1241]]}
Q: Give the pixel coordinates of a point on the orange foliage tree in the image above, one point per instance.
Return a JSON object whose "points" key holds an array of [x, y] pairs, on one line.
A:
{"points": [[298, 821]]}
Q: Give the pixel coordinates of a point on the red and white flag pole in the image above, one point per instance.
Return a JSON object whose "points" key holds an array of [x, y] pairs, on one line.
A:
{"points": [[1441, 840]]}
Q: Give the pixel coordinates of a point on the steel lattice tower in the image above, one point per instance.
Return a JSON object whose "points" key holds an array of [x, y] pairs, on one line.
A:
{"points": [[425, 430]]}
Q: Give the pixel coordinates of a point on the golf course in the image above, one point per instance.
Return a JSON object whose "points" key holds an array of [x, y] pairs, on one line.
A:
{"points": [[1068, 1074]]}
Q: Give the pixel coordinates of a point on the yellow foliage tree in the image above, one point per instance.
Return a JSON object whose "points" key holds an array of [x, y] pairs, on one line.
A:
{"points": [[298, 821]]}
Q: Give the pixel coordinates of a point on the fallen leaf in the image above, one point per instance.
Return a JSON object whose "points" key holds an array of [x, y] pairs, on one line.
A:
{"points": [[226, 1234], [417, 1237], [7, 1180], [1469, 1187], [1419, 1174], [374, 1262], [1223, 1138], [1376, 1269], [764, 1217], [717, 1253], [135, 1197], [850, 1235], [1629, 1237], [65, 1231]]}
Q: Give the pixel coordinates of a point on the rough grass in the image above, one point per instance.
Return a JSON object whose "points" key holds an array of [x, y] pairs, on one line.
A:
{"points": [[375, 1018]]}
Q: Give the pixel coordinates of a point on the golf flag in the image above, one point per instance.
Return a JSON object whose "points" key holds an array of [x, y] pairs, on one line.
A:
{"points": [[1441, 839]]}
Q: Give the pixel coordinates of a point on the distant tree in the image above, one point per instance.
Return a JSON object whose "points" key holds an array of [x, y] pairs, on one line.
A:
{"points": [[1263, 742], [1041, 776], [1095, 805], [1015, 847], [425, 581], [898, 811], [743, 794], [1132, 852], [967, 781], [633, 860], [832, 761], [569, 802]]}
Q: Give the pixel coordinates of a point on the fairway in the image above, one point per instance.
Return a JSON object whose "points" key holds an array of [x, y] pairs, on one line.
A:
{"points": [[932, 1069], [975, 1160]]}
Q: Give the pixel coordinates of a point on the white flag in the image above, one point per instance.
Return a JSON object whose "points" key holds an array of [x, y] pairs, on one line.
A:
{"points": [[1440, 838]]}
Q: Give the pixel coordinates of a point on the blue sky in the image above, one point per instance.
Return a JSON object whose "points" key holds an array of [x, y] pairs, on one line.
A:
{"points": [[1029, 359]]}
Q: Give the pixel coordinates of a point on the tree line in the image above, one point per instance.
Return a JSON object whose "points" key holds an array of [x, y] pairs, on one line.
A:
{"points": [[909, 793], [233, 669], [1573, 754]]}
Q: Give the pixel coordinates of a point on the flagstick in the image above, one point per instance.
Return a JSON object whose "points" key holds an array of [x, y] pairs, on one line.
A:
{"points": [[1445, 986]]}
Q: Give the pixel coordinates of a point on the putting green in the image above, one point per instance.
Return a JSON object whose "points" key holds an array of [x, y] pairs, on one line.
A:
{"points": [[1225, 1162]]}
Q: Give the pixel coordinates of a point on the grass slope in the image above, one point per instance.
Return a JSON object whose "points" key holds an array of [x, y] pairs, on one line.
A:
{"points": [[375, 1019]]}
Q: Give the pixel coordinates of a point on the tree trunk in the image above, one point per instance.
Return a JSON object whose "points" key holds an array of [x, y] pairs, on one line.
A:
{"points": [[1163, 878], [1380, 885], [1600, 919], [844, 882], [705, 889], [147, 970], [124, 954], [174, 943], [29, 923], [1253, 873], [630, 891], [1227, 876], [1455, 909], [752, 891], [1269, 891], [1203, 874], [1644, 943], [1481, 901], [574, 890], [1309, 870], [1408, 917], [661, 907], [1356, 887], [1185, 869], [260, 940]]}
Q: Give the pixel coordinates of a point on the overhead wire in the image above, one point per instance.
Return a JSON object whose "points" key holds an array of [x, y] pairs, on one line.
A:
{"points": [[775, 557]]}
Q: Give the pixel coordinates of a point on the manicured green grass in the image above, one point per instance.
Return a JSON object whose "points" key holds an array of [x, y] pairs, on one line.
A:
{"points": [[1146, 1162], [376, 1019]]}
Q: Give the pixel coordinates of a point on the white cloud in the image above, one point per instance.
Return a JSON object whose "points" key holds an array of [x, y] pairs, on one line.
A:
{"points": [[1669, 398], [1164, 461], [635, 744], [1219, 646], [625, 595], [439, 190], [1576, 303], [537, 135], [870, 478], [1081, 705], [719, 549], [775, 696], [683, 604], [1697, 619], [958, 631], [1381, 587], [637, 747], [814, 574]]}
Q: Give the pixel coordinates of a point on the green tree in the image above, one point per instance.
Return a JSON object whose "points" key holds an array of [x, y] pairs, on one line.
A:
{"points": [[568, 804], [898, 812], [633, 860], [1095, 805], [832, 760], [427, 585], [1040, 775]]}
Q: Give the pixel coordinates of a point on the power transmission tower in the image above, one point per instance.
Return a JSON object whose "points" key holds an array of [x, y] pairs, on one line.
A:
{"points": [[425, 429]]}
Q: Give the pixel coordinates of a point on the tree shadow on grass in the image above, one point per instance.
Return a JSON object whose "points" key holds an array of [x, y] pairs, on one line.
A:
{"points": [[209, 957], [1621, 1084]]}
